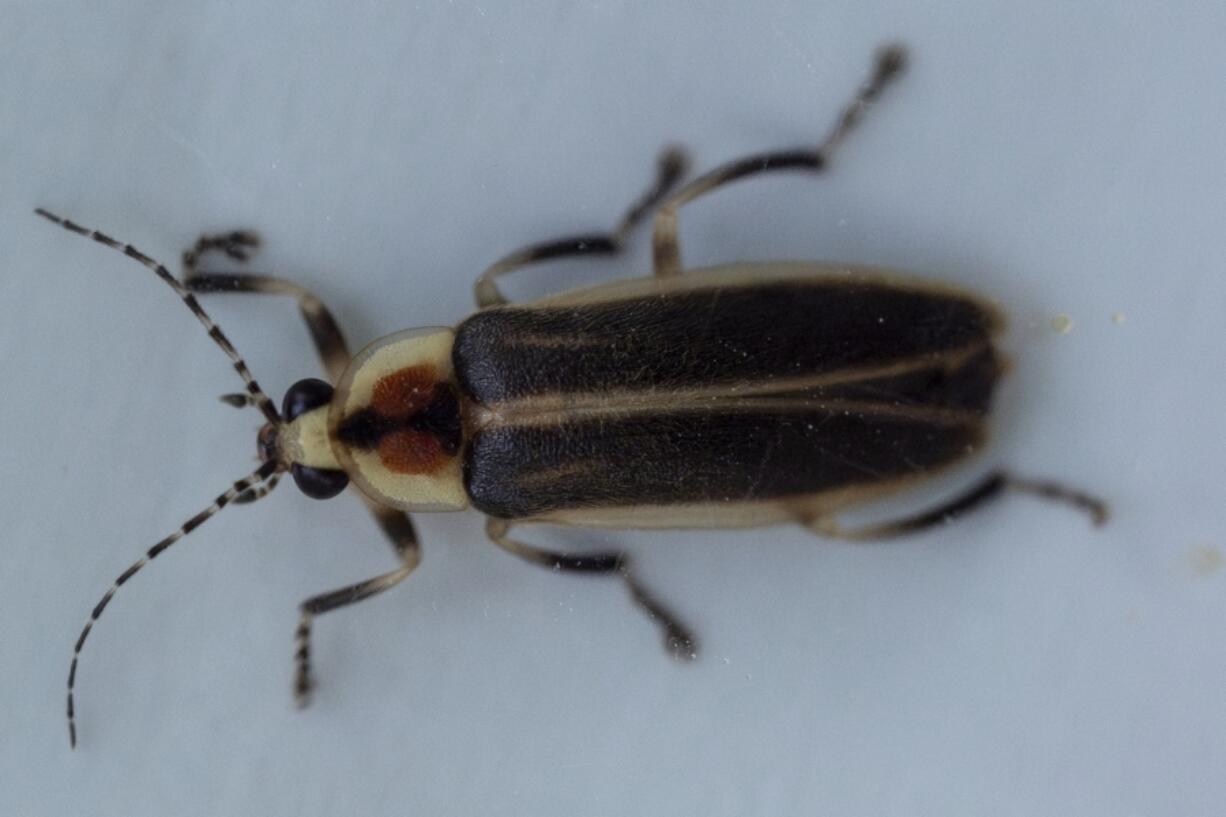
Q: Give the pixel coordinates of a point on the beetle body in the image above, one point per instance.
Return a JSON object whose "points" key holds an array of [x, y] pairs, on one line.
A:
{"points": [[725, 397], [732, 396]]}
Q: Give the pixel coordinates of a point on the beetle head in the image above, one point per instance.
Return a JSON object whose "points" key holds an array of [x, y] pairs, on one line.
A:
{"points": [[300, 442]]}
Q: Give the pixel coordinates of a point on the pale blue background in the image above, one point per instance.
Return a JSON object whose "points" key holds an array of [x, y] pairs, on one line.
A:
{"points": [[1062, 157]]}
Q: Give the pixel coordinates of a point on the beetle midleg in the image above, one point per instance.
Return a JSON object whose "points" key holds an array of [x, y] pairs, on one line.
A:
{"points": [[990, 488], [237, 244], [399, 528], [678, 640], [670, 167], [665, 248]]}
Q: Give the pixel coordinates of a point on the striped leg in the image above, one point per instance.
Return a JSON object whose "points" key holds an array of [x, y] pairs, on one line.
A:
{"points": [[678, 640], [670, 168], [991, 488], [665, 249], [399, 528], [238, 245]]}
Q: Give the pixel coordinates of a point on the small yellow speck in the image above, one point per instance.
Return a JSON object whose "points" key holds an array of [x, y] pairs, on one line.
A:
{"points": [[1118, 317], [1206, 560], [1062, 323]]}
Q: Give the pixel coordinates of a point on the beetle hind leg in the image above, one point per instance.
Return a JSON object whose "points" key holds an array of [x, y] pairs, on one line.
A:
{"points": [[679, 641], [666, 250], [670, 167], [992, 487]]}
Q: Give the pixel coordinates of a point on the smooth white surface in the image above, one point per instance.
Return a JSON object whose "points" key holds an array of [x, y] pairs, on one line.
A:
{"points": [[1064, 158]]}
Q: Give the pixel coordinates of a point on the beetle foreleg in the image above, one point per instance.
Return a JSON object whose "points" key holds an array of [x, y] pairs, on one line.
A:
{"points": [[678, 640], [665, 248], [324, 329], [236, 244], [671, 167], [990, 488], [399, 529]]}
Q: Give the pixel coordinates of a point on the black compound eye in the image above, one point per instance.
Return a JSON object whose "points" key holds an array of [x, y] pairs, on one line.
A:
{"points": [[303, 396], [319, 483]]}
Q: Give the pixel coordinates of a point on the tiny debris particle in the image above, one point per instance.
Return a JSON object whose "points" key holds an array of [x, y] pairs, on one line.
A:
{"points": [[1118, 317], [1062, 323], [1206, 560]]}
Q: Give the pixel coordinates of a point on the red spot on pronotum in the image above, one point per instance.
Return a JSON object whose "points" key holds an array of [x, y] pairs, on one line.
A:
{"points": [[412, 452], [404, 392]]}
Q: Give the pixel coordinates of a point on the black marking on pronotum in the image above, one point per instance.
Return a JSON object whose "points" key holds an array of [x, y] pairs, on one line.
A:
{"points": [[440, 418], [734, 396]]}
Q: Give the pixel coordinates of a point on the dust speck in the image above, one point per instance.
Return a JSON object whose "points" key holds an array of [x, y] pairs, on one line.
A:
{"points": [[1205, 560], [1062, 323], [1118, 317]]}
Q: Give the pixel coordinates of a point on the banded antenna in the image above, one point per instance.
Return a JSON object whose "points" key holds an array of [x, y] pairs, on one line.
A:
{"points": [[258, 397], [248, 489], [256, 480]]}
